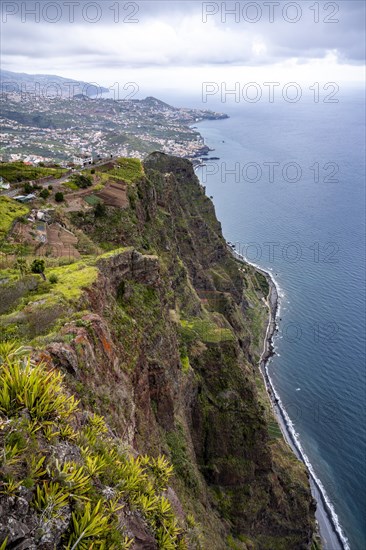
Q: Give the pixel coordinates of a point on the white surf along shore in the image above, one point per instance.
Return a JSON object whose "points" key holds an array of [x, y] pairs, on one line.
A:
{"points": [[332, 535]]}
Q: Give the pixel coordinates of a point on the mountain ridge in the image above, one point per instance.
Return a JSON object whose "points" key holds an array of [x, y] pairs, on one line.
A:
{"points": [[9, 78]]}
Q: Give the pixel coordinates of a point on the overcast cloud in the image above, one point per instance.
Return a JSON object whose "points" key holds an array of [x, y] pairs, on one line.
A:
{"points": [[180, 36]]}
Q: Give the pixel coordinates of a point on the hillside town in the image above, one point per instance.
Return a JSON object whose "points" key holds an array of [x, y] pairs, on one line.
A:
{"points": [[68, 131]]}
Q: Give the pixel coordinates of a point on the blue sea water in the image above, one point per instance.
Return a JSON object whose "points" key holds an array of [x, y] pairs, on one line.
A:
{"points": [[304, 220]]}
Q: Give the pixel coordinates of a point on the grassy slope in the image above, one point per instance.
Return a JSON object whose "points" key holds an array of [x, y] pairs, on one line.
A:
{"points": [[10, 210]]}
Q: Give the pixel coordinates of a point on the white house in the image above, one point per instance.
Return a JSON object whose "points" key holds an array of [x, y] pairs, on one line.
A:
{"points": [[83, 160]]}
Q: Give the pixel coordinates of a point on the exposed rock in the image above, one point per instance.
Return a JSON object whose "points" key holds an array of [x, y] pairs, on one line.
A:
{"points": [[64, 357]]}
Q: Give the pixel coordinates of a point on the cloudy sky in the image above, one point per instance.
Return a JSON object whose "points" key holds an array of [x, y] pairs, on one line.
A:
{"points": [[180, 44]]}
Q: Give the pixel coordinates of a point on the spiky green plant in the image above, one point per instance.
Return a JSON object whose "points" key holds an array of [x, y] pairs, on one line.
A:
{"points": [[104, 461], [24, 384], [9, 350], [191, 522], [133, 478], [10, 455], [182, 545], [162, 471], [113, 505], [32, 427], [193, 532], [50, 431], [168, 534], [94, 464], [73, 477], [10, 487], [164, 540], [147, 504], [49, 498], [36, 466], [125, 544], [164, 509], [88, 526], [96, 427], [68, 432]]}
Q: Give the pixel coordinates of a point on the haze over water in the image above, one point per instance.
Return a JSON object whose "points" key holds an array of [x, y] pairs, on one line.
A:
{"points": [[311, 234]]}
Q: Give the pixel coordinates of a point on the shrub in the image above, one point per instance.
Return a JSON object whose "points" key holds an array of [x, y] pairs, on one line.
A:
{"points": [[28, 188], [59, 197], [22, 266], [38, 266], [53, 279], [44, 193], [82, 181], [50, 187], [99, 210], [92, 171]]}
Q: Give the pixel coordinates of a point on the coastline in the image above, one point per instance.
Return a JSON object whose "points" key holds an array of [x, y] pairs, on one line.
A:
{"points": [[331, 534]]}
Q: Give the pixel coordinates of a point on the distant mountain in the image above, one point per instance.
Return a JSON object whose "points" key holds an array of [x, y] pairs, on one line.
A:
{"points": [[47, 86], [200, 114], [152, 101]]}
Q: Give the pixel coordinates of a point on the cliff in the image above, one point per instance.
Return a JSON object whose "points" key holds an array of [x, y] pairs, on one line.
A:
{"points": [[158, 334]]}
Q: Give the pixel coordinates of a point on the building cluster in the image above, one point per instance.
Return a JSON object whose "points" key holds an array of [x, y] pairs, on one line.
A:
{"points": [[59, 130], [79, 133]]}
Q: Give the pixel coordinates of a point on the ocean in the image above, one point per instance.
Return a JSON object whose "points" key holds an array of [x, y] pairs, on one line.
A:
{"points": [[289, 189]]}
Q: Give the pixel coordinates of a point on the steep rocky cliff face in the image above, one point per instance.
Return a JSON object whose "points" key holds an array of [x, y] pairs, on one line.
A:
{"points": [[164, 344]]}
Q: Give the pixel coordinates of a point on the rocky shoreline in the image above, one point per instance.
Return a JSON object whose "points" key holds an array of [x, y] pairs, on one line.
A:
{"points": [[328, 526], [273, 307]]}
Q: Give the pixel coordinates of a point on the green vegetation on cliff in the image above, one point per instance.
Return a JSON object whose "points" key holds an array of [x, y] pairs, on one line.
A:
{"points": [[10, 210], [129, 170], [82, 494], [158, 338]]}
